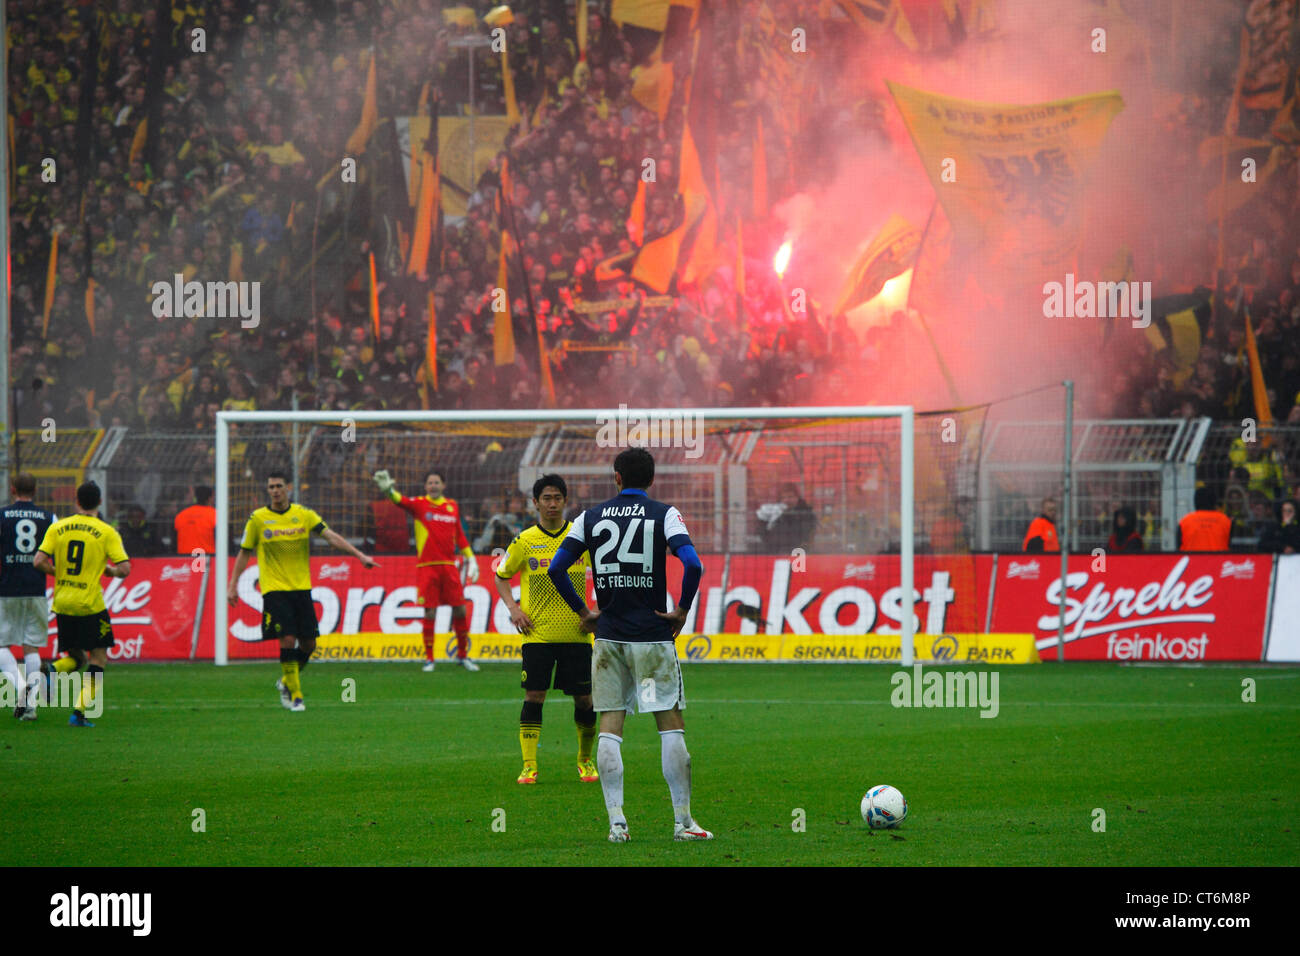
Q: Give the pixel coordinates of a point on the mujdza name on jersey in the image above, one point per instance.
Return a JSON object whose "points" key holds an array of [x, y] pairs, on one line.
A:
{"points": [[103, 909], [623, 511]]}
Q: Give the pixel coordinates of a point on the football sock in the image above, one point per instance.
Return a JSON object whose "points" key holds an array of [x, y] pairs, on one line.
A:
{"points": [[530, 731], [609, 761], [677, 771], [303, 654], [32, 661], [88, 688], [586, 721], [65, 665], [10, 668], [430, 637], [289, 668], [461, 626]]}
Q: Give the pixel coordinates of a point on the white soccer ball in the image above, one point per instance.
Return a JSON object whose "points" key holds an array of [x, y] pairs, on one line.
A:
{"points": [[884, 807]]}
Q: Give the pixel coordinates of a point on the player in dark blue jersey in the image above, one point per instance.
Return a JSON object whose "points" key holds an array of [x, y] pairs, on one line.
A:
{"points": [[634, 661], [24, 608]]}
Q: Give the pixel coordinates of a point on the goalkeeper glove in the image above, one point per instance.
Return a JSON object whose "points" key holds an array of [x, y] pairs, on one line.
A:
{"points": [[471, 568], [384, 481]]}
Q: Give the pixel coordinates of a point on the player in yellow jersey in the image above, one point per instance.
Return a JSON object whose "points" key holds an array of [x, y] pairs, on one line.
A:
{"points": [[78, 551], [552, 640], [280, 535]]}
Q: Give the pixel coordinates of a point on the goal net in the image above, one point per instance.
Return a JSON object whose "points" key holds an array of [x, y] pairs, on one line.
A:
{"points": [[807, 519]]}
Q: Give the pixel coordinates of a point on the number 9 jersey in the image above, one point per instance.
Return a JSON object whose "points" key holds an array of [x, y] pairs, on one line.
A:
{"points": [[80, 546]]}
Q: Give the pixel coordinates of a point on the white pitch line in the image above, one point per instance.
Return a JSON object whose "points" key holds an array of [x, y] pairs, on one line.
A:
{"points": [[206, 704]]}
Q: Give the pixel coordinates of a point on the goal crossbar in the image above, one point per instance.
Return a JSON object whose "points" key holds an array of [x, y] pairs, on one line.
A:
{"points": [[905, 414]]}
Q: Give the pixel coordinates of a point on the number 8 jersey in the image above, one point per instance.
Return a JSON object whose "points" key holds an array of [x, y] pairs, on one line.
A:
{"points": [[80, 546], [22, 527], [629, 537]]}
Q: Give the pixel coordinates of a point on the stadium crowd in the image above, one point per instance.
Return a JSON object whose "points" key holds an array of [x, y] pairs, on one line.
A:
{"points": [[225, 187], [247, 129]]}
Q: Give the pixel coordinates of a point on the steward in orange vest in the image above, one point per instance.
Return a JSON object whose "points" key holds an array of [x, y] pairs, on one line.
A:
{"points": [[1204, 529], [1041, 535]]}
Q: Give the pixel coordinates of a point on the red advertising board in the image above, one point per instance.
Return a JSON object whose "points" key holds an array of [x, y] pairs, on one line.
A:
{"points": [[1165, 607], [1155, 607], [819, 595], [152, 611], [845, 594], [153, 614]]}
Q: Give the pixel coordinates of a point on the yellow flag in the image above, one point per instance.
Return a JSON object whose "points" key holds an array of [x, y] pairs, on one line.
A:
{"points": [[1011, 178], [741, 318], [636, 218], [647, 14], [454, 155], [424, 216], [512, 106], [652, 84], [503, 332], [703, 258], [548, 384], [51, 277], [657, 262], [90, 304], [137, 141], [1232, 193], [374, 298], [1185, 333], [1262, 410], [369, 114], [890, 253], [580, 11], [459, 17], [431, 346]]}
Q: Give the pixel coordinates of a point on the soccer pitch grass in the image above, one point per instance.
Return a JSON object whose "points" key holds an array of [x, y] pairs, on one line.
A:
{"points": [[421, 766]]}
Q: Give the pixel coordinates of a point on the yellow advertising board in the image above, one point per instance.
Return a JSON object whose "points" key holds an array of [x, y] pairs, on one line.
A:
{"points": [[846, 648]]}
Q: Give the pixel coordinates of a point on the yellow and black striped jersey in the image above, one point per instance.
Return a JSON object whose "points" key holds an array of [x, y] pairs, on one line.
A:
{"points": [[80, 546], [282, 540], [529, 556]]}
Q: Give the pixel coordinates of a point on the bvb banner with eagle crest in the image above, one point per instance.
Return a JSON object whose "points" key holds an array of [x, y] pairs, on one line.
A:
{"points": [[1011, 179]]}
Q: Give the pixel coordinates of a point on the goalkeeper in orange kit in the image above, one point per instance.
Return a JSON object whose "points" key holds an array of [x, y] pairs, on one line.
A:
{"points": [[439, 537]]}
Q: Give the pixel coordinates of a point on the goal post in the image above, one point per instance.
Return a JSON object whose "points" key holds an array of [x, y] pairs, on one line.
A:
{"points": [[544, 440]]}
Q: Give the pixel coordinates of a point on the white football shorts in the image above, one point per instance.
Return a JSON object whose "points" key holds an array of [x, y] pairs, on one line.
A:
{"points": [[637, 678], [25, 621]]}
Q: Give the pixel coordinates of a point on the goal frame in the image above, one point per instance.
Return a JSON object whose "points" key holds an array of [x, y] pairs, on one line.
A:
{"points": [[905, 413]]}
